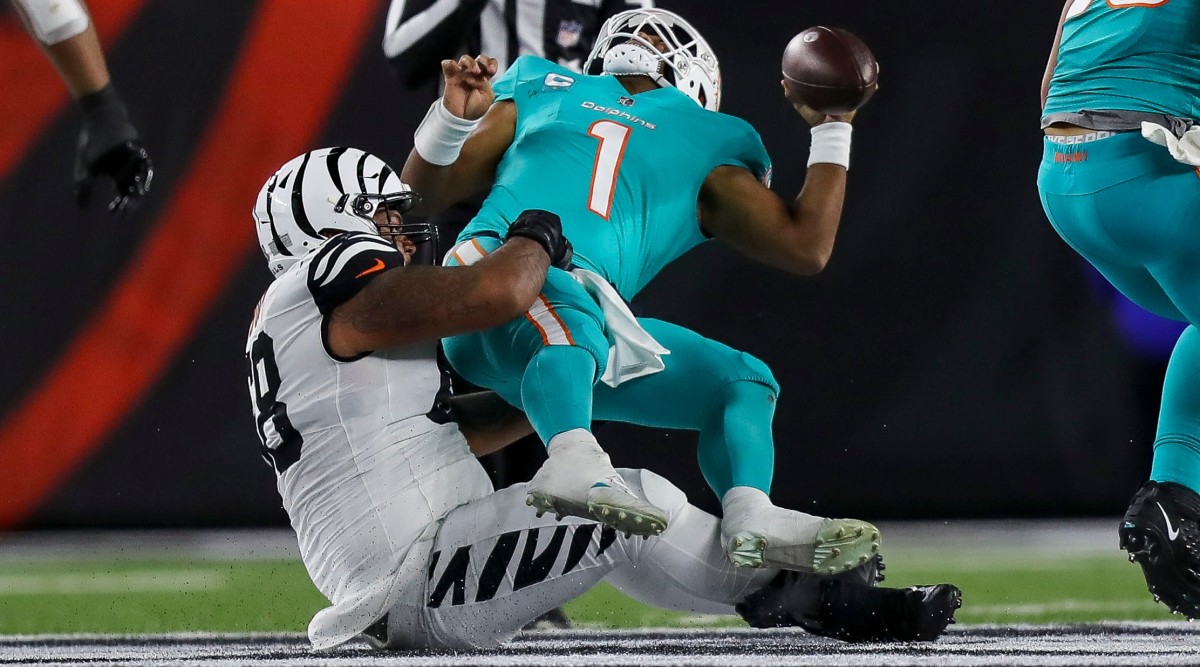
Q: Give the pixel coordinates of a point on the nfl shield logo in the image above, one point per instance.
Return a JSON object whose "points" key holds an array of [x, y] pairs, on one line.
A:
{"points": [[569, 33], [625, 101]]}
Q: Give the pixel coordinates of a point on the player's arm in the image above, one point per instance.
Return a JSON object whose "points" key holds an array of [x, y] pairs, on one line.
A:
{"points": [[462, 139], [414, 304], [109, 144], [1053, 61], [68, 38], [420, 33], [795, 236]]}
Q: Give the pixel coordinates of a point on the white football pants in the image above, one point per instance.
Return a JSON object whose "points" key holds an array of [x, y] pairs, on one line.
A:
{"points": [[495, 566]]}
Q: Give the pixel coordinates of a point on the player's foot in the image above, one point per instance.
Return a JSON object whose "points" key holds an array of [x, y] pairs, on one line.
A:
{"points": [[1161, 532], [578, 480], [756, 533], [844, 607]]}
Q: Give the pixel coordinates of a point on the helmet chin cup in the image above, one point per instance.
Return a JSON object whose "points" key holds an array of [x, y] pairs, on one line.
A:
{"points": [[631, 59]]}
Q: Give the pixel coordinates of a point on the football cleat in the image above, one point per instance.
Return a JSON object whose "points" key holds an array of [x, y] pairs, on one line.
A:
{"points": [[759, 534], [844, 607], [855, 613], [1161, 532], [578, 480]]}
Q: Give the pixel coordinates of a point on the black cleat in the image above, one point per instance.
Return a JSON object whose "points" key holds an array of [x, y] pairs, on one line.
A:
{"points": [[377, 634], [1161, 532], [856, 613], [851, 607]]}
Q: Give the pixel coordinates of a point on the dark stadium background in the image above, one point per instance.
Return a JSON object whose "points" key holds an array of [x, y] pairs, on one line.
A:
{"points": [[952, 361]]}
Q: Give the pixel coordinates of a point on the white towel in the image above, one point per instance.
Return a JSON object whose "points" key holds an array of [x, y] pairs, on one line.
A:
{"points": [[632, 352], [1185, 149]]}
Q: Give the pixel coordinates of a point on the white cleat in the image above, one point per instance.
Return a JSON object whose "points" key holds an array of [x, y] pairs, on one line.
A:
{"points": [[578, 480], [758, 534]]}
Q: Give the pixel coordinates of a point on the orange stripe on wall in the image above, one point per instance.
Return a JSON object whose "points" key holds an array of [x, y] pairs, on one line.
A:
{"points": [[24, 68], [278, 99]]}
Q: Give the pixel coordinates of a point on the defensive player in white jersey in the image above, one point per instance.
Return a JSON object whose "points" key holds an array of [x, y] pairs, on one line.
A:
{"points": [[397, 523]]}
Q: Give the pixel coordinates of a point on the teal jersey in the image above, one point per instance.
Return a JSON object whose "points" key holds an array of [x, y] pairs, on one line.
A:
{"points": [[622, 171], [1129, 55]]}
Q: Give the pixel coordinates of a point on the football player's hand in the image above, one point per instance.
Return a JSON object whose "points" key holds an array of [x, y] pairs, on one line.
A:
{"points": [[109, 148], [810, 115], [469, 86], [127, 165], [545, 228]]}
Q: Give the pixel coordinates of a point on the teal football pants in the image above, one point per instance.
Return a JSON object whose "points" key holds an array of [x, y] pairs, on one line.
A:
{"points": [[1131, 210], [550, 361]]}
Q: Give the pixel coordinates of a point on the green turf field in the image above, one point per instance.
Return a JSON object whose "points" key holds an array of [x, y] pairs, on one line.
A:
{"points": [[139, 596]]}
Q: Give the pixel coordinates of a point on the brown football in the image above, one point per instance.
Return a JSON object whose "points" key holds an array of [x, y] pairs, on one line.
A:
{"points": [[830, 70]]}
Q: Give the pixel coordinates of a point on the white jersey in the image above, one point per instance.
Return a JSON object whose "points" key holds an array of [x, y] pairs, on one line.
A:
{"points": [[364, 474]]}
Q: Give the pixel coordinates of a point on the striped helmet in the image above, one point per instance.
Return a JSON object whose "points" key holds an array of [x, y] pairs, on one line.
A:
{"points": [[328, 190]]}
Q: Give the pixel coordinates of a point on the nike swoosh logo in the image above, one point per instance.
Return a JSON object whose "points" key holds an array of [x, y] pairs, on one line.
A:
{"points": [[379, 266], [1172, 532]]}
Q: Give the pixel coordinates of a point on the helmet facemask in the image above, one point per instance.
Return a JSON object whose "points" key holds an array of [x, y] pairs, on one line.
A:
{"points": [[422, 235], [624, 48]]}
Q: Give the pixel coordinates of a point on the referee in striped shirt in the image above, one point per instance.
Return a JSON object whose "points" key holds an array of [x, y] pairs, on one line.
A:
{"points": [[421, 33]]}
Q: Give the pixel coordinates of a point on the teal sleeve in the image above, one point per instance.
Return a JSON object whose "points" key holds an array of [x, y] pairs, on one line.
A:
{"points": [[506, 85], [745, 149]]}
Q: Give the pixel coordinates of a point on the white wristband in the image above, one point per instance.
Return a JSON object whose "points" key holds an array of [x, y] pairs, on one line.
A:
{"points": [[830, 144], [441, 135]]}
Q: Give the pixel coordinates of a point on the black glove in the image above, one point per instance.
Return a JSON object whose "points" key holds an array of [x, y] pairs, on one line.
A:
{"points": [[545, 228], [109, 146]]}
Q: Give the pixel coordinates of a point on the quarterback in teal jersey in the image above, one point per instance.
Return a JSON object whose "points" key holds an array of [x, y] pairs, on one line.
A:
{"points": [[640, 167], [1120, 182]]}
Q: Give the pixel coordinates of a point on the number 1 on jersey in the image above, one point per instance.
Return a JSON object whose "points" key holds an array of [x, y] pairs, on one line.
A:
{"points": [[613, 138]]}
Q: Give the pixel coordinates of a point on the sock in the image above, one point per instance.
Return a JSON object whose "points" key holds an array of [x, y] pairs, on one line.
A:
{"points": [[1177, 443], [736, 446], [743, 497], [556, 390]]}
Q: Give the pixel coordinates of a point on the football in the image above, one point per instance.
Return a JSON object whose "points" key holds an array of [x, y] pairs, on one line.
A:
{"points": [[830, 70]]}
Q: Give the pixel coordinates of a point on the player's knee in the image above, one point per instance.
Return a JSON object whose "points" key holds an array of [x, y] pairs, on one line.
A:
{"points": [[749, 368], [756, 371], [655, 489], [554, 355]]}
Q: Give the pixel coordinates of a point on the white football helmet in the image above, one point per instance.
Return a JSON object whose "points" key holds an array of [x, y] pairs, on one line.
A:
{"points": [[331, 189], [688, 63]]}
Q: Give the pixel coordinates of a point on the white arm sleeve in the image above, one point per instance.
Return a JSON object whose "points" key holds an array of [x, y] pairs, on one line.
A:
{"points": [[55, 21]]}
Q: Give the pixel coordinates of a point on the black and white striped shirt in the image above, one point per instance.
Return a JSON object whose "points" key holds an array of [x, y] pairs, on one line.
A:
{"points": [[421, 33]]}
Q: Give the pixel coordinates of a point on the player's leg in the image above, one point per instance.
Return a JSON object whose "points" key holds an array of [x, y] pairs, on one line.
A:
{"points": [[729, 397], [1130, 210], [1161, 529], [495, 565], [546, 363]]}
